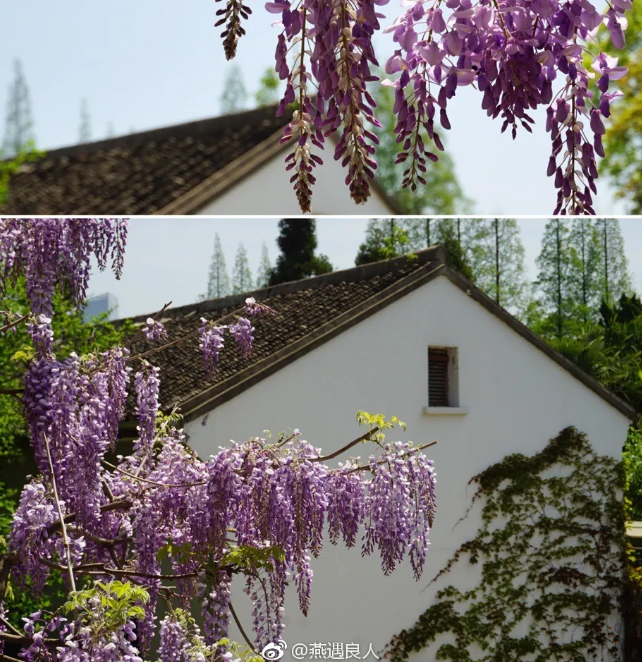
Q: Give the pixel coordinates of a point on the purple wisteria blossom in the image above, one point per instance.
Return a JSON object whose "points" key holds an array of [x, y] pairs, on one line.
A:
{"points": [[243, 333], [511, 51], [146, 383], [51, 251], [154, 331], [252, 308], [211, 344]]}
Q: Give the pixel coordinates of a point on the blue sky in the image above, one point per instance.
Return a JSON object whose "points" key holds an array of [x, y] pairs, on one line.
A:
{"points": [[167, 259], [147, 63]]}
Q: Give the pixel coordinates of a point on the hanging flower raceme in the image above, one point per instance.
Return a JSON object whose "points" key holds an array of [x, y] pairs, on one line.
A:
{"points": [[147, 385], [154, 331], [50, 251], [510, 51]]}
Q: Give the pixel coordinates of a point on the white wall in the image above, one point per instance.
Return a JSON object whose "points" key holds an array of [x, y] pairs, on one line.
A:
{"points": [[268, 191], [518, 399]]}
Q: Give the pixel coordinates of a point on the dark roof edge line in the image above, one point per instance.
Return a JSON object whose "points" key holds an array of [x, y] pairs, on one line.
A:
{"points": [[230, 388], [489, 304], [223, 392], [351, 274], [172, 130]]}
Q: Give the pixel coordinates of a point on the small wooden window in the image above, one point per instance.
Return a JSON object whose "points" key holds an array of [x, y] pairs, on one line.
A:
{"points": [[438, 378]]}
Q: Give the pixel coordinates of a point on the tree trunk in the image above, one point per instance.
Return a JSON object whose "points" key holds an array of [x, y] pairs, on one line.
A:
{"points": [[497, 267], [559, 279], [606, 262]]}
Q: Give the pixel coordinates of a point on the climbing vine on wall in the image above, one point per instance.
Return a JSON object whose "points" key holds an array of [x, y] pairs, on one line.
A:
{"points": [[552, 559]]}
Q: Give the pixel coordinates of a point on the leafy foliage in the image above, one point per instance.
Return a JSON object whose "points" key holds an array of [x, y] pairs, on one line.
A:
{"points": [[107, 607], [623, 139], [551, 554], [387, 238], [10, 166]]}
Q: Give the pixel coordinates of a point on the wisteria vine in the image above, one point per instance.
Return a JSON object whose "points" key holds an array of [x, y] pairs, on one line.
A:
{"points": [[162, 526], [519, 54]]}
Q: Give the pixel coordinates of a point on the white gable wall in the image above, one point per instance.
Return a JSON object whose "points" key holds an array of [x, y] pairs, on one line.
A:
{"points": [[517, 397], [267, 191]]}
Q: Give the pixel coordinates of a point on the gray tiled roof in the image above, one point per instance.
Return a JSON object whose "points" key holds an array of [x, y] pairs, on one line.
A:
{"points": [[137, 174]]}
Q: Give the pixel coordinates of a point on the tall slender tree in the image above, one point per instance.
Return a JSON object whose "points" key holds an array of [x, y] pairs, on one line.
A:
{"points": [[84, 130], [18, 134], [241, 275], [613, 277], [497, 258], [265, 268], [555, 282], [218, 283], [298, 242], [234, 96], [585, 258]]}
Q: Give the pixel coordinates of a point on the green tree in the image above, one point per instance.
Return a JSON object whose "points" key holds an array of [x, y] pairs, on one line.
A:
{"points": [[497, 258], [585, 247], [613, 278], [554, 281], [18, 136], [84, 130], [241, 275], [298, 242], [218, 282], [268, 92], [442, 193], [623, 139], [234, 96], [452, 234], [385, 238], [265, 268]]}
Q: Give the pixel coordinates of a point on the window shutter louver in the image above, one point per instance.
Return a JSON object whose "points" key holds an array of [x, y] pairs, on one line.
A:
{"points": [[438, 378]]}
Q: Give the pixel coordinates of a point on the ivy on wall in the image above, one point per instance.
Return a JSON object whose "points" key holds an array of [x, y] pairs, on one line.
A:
{"points": [[552, 556]]}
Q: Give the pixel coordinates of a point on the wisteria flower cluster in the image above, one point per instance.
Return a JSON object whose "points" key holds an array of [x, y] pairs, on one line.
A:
{"points": [[211, 334], [173, 526], [154, 331], [53, 251], [516, 53]]}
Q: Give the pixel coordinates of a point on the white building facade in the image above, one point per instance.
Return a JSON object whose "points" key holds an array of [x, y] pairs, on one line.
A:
{"points": [[268, 191], [506, 396]]}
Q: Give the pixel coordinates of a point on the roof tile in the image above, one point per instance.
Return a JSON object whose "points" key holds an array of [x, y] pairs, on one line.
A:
{"points": [[139, 173]]}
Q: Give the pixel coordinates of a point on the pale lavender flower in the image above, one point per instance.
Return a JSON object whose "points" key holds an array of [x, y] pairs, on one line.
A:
{"points": [[211, 344], [154, 331], [243, 331]]}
